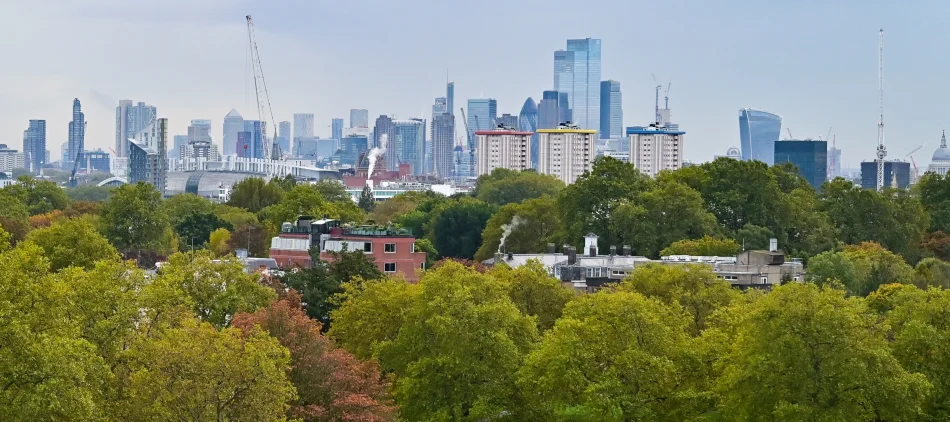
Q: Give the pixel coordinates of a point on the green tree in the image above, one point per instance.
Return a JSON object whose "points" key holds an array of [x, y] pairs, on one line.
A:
{"points": [[370, 314], [395, 207], [789, 178], [14, 217], [505, 186], [218, 242], [809, 230], [211, 290], [332, 190], [932, 272], [39, 196], [833, 267], [324, 279], [308, 200], [367, 202], [180, 207], [821, 356], [692, 288], [589, 204], [705, 246], [934, 192], [90, 193], [196, 372], [876, 266], [6, 241], [425, 245], [253, 194], [132, 219], [455, 228], [455, 356], [234, 215], [195, 230], [612, 356], [73, 242], [668, 213], [533, 223], [285, 183], [535, 292], [751, 237], [255, 238]]}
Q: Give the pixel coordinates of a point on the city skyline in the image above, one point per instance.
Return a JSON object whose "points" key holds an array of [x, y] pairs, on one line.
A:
{"points": [[773, 71]]}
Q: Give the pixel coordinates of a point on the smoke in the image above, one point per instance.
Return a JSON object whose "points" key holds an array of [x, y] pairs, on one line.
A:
{"points": [[508, 228], [375, 153]]}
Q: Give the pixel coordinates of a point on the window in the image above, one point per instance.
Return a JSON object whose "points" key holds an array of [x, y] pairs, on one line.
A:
{"points": [[390, 248], [412, 248], [765, 279], [368, 247], [389, 267], [422, 265]]}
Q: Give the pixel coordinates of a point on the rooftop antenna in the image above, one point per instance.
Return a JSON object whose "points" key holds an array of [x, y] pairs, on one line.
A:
{"points": [[881, 150]]}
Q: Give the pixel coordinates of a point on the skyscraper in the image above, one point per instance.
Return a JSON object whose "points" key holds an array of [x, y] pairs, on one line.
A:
{"points": [[336, 129], [508, 147], [129, 121], [283, 137], [148, 153], [482, 114], [450, 97], [810, 157], [255, 142], [407, 145], [758, 132], [653, 149], [528, 122], [77, 134], [34, 145], [353, 146], [179, 142], [442, 138], [611, 113], [199, 131], [303, 125], [548, 116], [566, 152], [359, 118], [384, 126], [233, 123], [577, 73], [508, 121]]}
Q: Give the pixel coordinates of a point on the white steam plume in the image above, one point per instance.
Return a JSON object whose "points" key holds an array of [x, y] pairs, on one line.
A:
{"points": [[508, 228], [375, 153]]}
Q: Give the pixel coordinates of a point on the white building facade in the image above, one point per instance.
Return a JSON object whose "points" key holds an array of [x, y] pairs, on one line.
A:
{"points": [[502, 148], [653, 150], [566, 152], [11, 159]]}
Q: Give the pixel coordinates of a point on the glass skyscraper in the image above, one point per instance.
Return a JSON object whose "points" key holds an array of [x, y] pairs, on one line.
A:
{"points": [[283, 137], [810, 157], [528, 122], [408, 145], [548, 115], [336, 129], [482, 114], [129, 121], [611, 111], [255, 142], [233, 123], [34, 145], [758, 132], [359, 117], [577, 74], [77, 134], [508, 121]]}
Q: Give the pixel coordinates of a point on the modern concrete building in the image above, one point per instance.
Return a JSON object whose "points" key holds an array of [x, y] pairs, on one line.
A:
{"points": [[577, 74], [77, 135], [148, 155], [10, 159], [303, 125], [34, 146], [382, 126], [129, 121], [611, 111], [758, 132], [95, 161], [566, 152], [653, 149], [359, 118], [353, 147], [233, 123], [810, 157], [502, 148]]}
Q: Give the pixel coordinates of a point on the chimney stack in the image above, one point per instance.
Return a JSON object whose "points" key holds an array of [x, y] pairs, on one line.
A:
{"points": [[627, 250], [773, 245], [550, 248], [590, 244], [499, 257], [571, 255], [613, 250]]}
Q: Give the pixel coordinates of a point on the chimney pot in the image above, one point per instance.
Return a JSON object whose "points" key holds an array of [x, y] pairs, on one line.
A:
{"points": [[550, 248], [613, 250], [627, 250]]}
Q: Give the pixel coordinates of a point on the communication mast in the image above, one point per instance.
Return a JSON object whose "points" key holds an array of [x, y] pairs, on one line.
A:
{"points": [[260, 90], [881, 150]]}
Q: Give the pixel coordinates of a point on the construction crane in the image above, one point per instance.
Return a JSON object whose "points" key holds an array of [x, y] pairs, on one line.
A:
{"points": [[881, 150], [912, 161], [828, 136], [72, 176], [789, 134], [471, 137], [656, 102], [666, 96], [260, 90]]}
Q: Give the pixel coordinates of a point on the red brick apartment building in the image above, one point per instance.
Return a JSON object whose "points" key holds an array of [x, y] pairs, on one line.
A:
{"points": [[394, 250]]}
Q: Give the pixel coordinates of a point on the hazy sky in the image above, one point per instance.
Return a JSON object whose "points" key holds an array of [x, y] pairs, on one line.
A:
{"points": [[812, 62]]}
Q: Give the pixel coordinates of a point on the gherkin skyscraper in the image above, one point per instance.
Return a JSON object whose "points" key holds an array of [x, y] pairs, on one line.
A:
{"points": [[528, 122]]}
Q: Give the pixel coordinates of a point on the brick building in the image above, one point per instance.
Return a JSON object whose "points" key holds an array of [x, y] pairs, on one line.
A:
{"points": [[392, 249]]}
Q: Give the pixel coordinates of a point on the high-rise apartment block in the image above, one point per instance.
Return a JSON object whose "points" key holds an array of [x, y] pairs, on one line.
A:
{"points": [[443, 143], [233, 123], [336, 129], [359, 118], [577, 74], [34, 145], [129, 121], [10, 159], [566, 152], [148, 153], [450, 96], [502, 148], [77, 135], [383, 126], [303, 125], [407, 145], [758, 132], [611, 111], [653, 149]]}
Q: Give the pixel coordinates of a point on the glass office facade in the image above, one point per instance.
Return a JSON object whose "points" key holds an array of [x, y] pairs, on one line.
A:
{"points": [[577, 74], [758, 133], [810, 157]]}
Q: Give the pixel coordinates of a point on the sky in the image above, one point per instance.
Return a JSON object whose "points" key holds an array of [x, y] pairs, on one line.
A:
{"points": [[812, 62]]}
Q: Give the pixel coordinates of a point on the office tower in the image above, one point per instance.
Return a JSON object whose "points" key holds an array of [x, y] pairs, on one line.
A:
{"points": [[900, 169], [336, 129], [482, 114], [178, 145], [502, 148], [64, 153], [233, 123], [77, 134], [611, 111], [11, 159], [283, 137], [440, 106], [94, 161], [199, 131], [384, 125], [577, 73], [353, 146], [508, 121], [303, 125], [450, 97], [809, 156], [129, 121], [443, 143], [834, 162], [359, 118], [653, 149], [548, 115], [528, 122], [34, 145], [148, 153], [407, 145], [758, 133], [566, 152], [254, 140]]}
